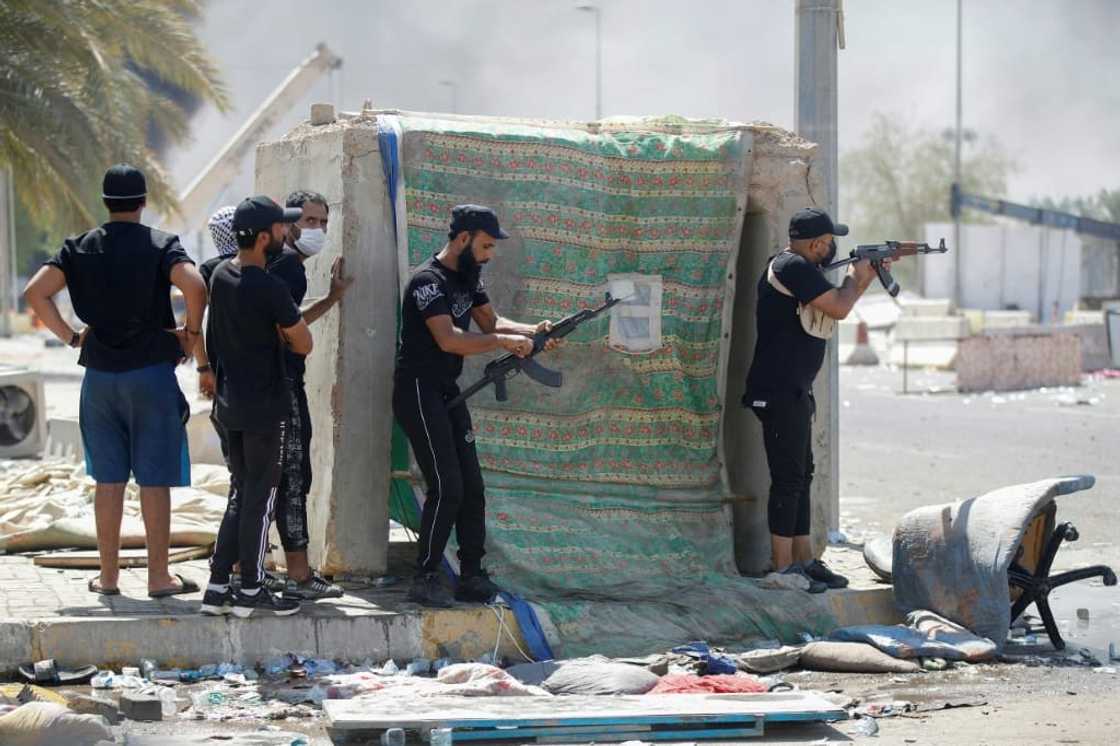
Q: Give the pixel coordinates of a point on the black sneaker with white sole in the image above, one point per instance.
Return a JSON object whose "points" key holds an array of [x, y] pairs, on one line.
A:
{"points": [[217, 603], [476, 588], [263, 601], [312, 589], [819, 571], [427, 590], [271, 581]]}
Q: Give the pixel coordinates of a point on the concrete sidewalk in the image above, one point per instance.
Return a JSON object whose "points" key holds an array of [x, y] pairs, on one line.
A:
{"points": [[49, 613]]}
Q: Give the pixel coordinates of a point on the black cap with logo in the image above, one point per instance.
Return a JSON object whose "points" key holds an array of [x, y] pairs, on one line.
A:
{"points": [[476, 218], [259, 213], [123, 181], [810, 222]]}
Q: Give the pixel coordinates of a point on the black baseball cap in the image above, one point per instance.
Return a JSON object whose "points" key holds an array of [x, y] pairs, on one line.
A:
{"points": [[123, 181], [256, 214], [476, 218], [811, 222]]}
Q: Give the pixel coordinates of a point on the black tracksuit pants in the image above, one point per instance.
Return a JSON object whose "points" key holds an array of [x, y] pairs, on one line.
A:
{"points": [[787, 426], [256, 460], [443, 443]]}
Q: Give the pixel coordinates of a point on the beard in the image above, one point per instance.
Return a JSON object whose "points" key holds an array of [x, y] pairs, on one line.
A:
{"points": [[469, 264], [830, 257], [274, 248]]}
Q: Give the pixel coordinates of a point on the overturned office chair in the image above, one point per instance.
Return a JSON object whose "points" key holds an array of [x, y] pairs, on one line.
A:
{"points": [[1029, 574], [981, 562]]}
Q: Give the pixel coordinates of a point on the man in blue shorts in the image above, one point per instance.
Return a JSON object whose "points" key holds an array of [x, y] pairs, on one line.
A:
{"points": [[132, 413]]}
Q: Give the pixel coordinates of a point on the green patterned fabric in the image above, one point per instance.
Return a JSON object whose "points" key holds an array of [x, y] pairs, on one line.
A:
{"points": [[604, 495]]}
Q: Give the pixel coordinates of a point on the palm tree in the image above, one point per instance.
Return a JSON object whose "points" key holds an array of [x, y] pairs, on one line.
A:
{"points": [[72, 99]]}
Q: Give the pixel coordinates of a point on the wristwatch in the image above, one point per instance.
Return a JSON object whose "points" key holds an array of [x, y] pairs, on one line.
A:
{"points": [[74, 340], [203, 368]]}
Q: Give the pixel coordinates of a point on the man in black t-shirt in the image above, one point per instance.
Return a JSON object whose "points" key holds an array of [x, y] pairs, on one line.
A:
{"points": [[797, 307], [132, 413], [252, 319], [443, 296], [306, 238]]}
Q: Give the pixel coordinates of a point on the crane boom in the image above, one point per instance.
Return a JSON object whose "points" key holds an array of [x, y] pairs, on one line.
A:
{"points": [[196, 200], [1035, 215]]}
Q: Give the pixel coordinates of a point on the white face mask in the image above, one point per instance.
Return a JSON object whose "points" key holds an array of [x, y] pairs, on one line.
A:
{"points": [[311, 241]]}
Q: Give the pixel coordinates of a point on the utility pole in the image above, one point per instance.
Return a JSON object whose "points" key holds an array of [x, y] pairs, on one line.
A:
{"points": [[819, 31], [7, 252], [597, 11], [957, 171]]}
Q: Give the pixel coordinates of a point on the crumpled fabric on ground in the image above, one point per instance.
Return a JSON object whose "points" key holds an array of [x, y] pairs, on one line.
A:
{"points": [[598, 675], [45, 723], [462, 679], [778, 581], [715, 684], [711, 662], [926, 635]]}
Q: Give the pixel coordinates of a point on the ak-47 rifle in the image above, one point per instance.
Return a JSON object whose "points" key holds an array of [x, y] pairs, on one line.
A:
{"points": [[877, 252], [499, 371]]}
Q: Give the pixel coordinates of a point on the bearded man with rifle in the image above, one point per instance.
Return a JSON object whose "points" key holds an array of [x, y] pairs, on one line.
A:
{"points": [[443, 296]]}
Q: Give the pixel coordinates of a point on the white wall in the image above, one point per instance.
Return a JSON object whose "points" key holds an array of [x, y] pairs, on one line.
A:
{"points": [[1000, 267]]}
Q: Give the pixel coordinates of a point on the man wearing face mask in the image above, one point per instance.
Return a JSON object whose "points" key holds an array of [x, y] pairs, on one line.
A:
{"points": [[305, 240], [443, 296], [252, 319], [797, 308]]}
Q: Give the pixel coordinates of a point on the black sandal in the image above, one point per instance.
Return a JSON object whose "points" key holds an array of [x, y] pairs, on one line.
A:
{"points": [[94, 587], [188, 586]]}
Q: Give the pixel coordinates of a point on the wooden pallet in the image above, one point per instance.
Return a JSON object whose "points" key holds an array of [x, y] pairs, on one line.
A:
{"points": [[91, 560], [579, 719]]}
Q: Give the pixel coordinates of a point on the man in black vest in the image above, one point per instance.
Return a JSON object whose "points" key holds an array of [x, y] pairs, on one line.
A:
{"points": [[797, 306], [132, 413]]}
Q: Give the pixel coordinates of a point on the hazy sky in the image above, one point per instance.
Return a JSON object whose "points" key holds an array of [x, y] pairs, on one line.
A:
{"points": [[1041, 75]]}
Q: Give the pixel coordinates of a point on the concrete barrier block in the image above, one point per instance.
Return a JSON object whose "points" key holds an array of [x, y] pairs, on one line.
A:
{"points": [[1018, 360], [920, 328], [940, 354], [1004, 319], [925, 307], [1084, 317]]}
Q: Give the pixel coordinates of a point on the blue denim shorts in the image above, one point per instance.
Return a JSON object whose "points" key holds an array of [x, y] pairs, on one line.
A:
{"points": [[134, 423]]}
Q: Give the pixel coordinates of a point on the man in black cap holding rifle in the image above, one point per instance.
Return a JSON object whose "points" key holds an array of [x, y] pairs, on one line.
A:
{"points": [[252, 319], [444, 294], [797, 309]]}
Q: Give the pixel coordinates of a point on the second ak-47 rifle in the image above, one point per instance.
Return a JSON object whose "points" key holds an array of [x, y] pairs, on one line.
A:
{"points": [[499, 371], [877, 252]]}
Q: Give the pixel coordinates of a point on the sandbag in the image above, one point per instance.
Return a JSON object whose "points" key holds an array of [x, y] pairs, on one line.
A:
{"points": [[768, 660], [852, 657], [599, 675], [49, 724]]}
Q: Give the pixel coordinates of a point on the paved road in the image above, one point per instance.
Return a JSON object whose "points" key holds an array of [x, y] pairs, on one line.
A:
{"points": [[899, 452]]}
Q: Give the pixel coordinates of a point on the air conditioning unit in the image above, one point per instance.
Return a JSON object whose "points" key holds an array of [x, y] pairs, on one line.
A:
{"points": [[23, 412]]}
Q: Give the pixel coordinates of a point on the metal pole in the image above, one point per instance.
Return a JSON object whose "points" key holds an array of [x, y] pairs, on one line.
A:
{"points": [[957, 263], [597, 11], [815, 112], [7, 252]]}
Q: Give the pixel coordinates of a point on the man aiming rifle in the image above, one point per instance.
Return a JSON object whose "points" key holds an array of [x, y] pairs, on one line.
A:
{"points": [[442, 298]]}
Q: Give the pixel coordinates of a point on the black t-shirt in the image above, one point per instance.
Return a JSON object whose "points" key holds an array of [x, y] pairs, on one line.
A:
{"points": [[288, 267], [206, 269], [246, 306], [786, 358], [119, 278], [435, 290]]}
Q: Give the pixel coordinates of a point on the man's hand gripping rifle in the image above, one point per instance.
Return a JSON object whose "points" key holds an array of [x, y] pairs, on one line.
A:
{"points": [[877, 252], [499, 371]]}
